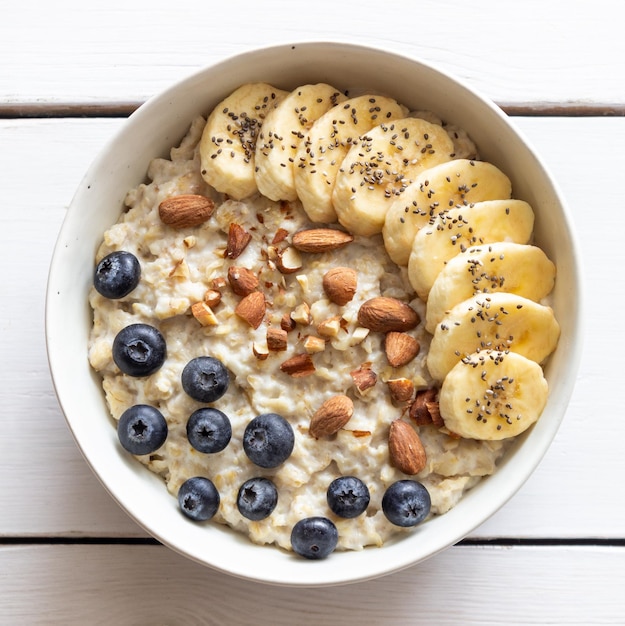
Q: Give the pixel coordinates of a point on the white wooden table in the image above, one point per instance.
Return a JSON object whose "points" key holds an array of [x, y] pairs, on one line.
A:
{"points": [[69, 73]]}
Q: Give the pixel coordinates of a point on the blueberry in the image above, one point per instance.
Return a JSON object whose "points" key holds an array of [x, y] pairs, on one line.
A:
{"points": [[117, 274], [314, 537], [406, 503], [139, 350], [198, 498], [268, 440], [209, 430], [142, 429], [205, 379], [348, 496], [257, 498]]}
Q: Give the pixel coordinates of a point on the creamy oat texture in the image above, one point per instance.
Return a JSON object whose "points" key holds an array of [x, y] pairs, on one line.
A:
{"points": [[178, 267]]}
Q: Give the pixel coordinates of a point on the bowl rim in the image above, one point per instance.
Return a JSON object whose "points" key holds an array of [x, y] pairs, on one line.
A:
{"points": [[457, 523]]}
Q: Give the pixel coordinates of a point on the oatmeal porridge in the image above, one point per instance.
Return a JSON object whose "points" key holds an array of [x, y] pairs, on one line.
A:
{"points": [[314, 321]]}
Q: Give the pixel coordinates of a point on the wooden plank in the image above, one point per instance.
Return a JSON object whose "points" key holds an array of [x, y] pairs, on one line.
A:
{"points": [[122, 51], [465, 585], [572, 494]]}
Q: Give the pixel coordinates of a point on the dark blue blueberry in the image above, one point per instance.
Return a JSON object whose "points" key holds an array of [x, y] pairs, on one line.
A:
{"points": [[257, 498], [198, 498], [139, 350], [142, 429], [117, 274], [406, 503], [209, 430], [314, 537], [348, 496], [205, 379], [268, 440]]}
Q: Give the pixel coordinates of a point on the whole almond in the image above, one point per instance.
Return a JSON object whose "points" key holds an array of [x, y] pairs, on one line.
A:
{"points": [[242, 280], [406, 451], [331, 416], [321, 239], [384, 314], [252, 309], [400, 348], [185, 211], [339, 284]]}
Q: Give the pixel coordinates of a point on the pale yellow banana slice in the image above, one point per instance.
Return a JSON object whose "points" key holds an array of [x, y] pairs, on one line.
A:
{"points": [[502, 266], [493, 395], [377, 171], [435, 191], [282, 132], [497, 321], [321, 153], [229, 138], [460, 228]]}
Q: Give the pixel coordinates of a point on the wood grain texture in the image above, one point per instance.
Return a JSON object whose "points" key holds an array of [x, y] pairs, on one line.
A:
{"points": [[44, 160], [472, 586], [119, 51]]}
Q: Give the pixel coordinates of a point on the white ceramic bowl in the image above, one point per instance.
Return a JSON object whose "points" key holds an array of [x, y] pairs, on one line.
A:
{"points": [[122, 164]]}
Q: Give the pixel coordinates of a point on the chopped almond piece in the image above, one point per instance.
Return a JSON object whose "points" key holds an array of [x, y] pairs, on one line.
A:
{"points": [[276, 339]]}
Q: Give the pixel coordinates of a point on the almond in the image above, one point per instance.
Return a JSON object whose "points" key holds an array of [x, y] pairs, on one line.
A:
{"points": [[329, 328], [298, 366], [301, 314], [339, 284], [400, 348], [419, 412], [314, 344], [252, 309], [260, 350], [435, 413], [288, 260], [242, 280], [321, 239], [281, 235], [185, 211], [401, 389], [364, 378], [384, 314], [202, 312], [238, 238], [218, 283], [276, 339], [287, 323], [331, 416], [212, 297], [405, 449]]}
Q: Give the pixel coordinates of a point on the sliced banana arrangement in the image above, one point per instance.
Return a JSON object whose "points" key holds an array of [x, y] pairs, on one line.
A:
{"points": [[369, 165]]}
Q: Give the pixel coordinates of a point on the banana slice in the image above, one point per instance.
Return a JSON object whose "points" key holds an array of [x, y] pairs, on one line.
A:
{"points": [[229, 138], [497, 321], [283, 129], [493, 395], [435, 191], [378, 169], [454, 231], [502, 266], [320, 155]]}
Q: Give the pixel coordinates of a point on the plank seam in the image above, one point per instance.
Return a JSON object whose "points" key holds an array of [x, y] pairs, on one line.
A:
{"points": [[47, 110]]}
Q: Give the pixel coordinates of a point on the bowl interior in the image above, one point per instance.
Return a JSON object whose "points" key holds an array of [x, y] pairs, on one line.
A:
{"points": [[160, 124]]}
